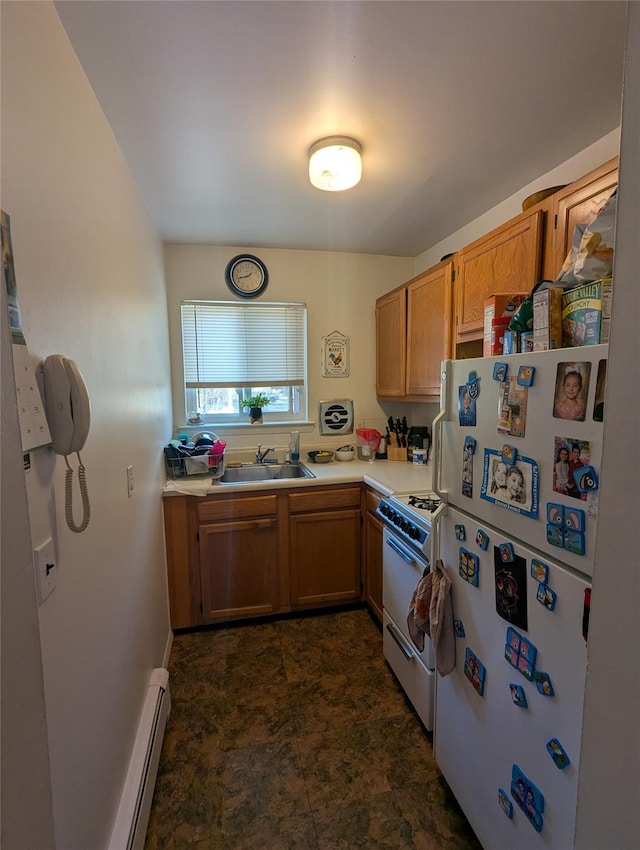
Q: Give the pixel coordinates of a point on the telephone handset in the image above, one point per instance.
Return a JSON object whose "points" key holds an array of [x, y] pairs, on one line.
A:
{"points": [[69, 416]]}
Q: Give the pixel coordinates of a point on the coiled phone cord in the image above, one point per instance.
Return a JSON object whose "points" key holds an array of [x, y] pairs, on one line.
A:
{"points": [[68, 496]]}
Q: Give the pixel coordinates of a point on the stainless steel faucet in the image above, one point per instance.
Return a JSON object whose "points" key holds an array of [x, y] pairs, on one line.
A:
{"points": [[261, 455]]}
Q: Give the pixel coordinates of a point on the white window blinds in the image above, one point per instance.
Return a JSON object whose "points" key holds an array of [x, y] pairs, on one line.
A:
{"points": [[243, 345]]}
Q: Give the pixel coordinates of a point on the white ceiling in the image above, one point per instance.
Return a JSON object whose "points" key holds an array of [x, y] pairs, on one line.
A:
{"points": [[457, 106]]}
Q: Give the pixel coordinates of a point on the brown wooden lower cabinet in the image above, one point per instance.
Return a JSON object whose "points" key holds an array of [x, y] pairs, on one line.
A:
{"points": [[324, 546], [232, 557], [239, 568], [324, 558], [372, 554]]}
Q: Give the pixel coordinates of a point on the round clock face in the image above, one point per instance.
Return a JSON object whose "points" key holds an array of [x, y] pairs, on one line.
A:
{"points": [[246, 276]]}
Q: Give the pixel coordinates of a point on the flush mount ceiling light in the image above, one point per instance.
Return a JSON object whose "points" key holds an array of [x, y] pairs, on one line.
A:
{"points": [[335, 163]]}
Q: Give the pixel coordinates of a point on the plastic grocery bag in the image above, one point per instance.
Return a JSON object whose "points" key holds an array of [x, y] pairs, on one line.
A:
{"points": [[522, 319], [591, 254]]}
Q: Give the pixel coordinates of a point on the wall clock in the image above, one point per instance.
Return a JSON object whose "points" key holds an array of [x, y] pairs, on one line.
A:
{"points": [[246, 276]]}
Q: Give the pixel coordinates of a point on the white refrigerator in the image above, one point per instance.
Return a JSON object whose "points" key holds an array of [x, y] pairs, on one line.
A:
{"points": [[517, 449]]}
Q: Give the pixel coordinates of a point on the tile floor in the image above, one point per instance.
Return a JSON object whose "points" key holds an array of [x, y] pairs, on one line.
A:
{"points": [[294, 735]]}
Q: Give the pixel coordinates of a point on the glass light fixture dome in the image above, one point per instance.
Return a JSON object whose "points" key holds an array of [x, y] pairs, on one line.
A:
{"points": [[335, 163]]}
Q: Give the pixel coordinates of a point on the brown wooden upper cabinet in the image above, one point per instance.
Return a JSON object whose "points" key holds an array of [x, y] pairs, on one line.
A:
{"points": [[577, 203], [429, 329], [414, 323], [508, 259], [391, 344], [414, 334]]}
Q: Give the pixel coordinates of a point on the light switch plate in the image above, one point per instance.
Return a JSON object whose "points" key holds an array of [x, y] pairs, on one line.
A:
{"points": [[45, 566]]}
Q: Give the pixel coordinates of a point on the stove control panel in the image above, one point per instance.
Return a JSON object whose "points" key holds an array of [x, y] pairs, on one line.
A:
{"points": [[413, 531]]}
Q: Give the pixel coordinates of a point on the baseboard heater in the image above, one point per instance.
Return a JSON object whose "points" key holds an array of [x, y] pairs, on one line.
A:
{"points": [[135, 804]]}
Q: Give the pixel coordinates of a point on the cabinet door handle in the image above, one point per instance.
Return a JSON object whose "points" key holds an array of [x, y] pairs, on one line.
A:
{"points": [[399, 639]]}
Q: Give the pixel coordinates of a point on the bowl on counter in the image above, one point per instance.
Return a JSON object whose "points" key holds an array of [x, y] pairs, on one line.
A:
{"points": [[345, 453], [320, 456]]}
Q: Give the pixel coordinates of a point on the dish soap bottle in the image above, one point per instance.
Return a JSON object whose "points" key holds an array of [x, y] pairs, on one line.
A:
{"points": [[294, 446]]}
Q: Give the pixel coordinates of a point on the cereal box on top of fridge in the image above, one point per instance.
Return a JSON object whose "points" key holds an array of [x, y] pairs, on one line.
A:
{"points": [[586, 313], [498, 307]]}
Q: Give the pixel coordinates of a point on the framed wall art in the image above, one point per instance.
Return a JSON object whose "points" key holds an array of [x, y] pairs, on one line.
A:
{"points": [[335, 355]]}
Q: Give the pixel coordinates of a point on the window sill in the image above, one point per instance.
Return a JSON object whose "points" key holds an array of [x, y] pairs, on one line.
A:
{"points": [[238, 428]]}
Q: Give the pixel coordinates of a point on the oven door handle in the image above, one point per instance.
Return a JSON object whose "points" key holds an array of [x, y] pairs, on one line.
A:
{"points": [[398, 637], [405, 554]]}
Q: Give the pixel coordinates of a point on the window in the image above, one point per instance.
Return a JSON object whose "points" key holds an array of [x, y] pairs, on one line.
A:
{"points": [[234, 351]]}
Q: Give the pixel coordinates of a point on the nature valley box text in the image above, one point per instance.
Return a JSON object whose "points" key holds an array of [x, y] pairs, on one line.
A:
{"points": [[586, 313]]}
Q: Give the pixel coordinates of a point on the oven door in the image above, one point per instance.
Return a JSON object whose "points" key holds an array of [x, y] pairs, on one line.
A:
{"points": [[402, 569]]}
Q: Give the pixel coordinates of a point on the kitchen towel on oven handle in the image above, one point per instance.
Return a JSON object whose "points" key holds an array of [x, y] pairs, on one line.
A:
{"points": [[431, 613]]}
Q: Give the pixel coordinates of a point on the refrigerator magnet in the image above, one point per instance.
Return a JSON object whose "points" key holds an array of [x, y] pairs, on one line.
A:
{"points": [[513, 487], [512, 408], [461, 533], [507, 555], [572, 389], [509, 454], [518, 695], [539, 571], [500, 371], [482, 539], [546, 597], [466, 406], [558, 754], [470, 444], [543, 683], [526, 375], [511, 587], [474, 670], [586, 479], [469, 567], [520, 653], [505, 803], [555, 513], [473, 383], [574, 542], [528, 796], [458, 628], [586, 609], [555, 535], [574, 519]]}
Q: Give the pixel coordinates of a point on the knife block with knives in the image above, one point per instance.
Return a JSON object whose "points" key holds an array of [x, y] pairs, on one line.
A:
{"points": [[396, 453], [397, 438]]}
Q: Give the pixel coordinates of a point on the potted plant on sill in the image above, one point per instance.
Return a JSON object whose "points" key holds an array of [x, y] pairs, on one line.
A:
{"points": [[255, 403]]}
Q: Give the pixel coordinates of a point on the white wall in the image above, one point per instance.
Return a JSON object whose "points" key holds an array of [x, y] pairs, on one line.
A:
{"points": [[340, 292], [609, 789], [89, 269], [26, 815], [583, 162]]}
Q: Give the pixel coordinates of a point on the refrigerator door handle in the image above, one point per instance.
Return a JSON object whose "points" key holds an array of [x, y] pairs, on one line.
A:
{"points": [[436, 430], [399, 639]]}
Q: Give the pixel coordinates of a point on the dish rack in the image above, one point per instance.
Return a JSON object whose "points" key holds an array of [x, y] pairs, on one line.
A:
{"points": [[180, 465]]}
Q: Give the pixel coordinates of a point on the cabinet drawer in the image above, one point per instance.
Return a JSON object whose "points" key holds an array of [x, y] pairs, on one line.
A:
{"points": [[318, 500], [231, 508]]}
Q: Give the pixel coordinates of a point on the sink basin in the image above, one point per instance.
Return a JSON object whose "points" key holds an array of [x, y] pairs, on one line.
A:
{"points": [[264, 472]]}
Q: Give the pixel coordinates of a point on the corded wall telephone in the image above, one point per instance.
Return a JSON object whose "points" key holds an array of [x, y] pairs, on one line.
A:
{"points": [[69, 416]]}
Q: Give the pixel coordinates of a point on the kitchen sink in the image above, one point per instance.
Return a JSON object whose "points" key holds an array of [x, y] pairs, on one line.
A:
{"points": [[264, 472]]}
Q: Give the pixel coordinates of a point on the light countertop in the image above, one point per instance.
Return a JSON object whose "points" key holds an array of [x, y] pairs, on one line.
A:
{"points": [[384, 475]]}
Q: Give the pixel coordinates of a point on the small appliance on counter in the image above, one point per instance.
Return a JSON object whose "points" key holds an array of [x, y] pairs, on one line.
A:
{"points": [[368, 443]]}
